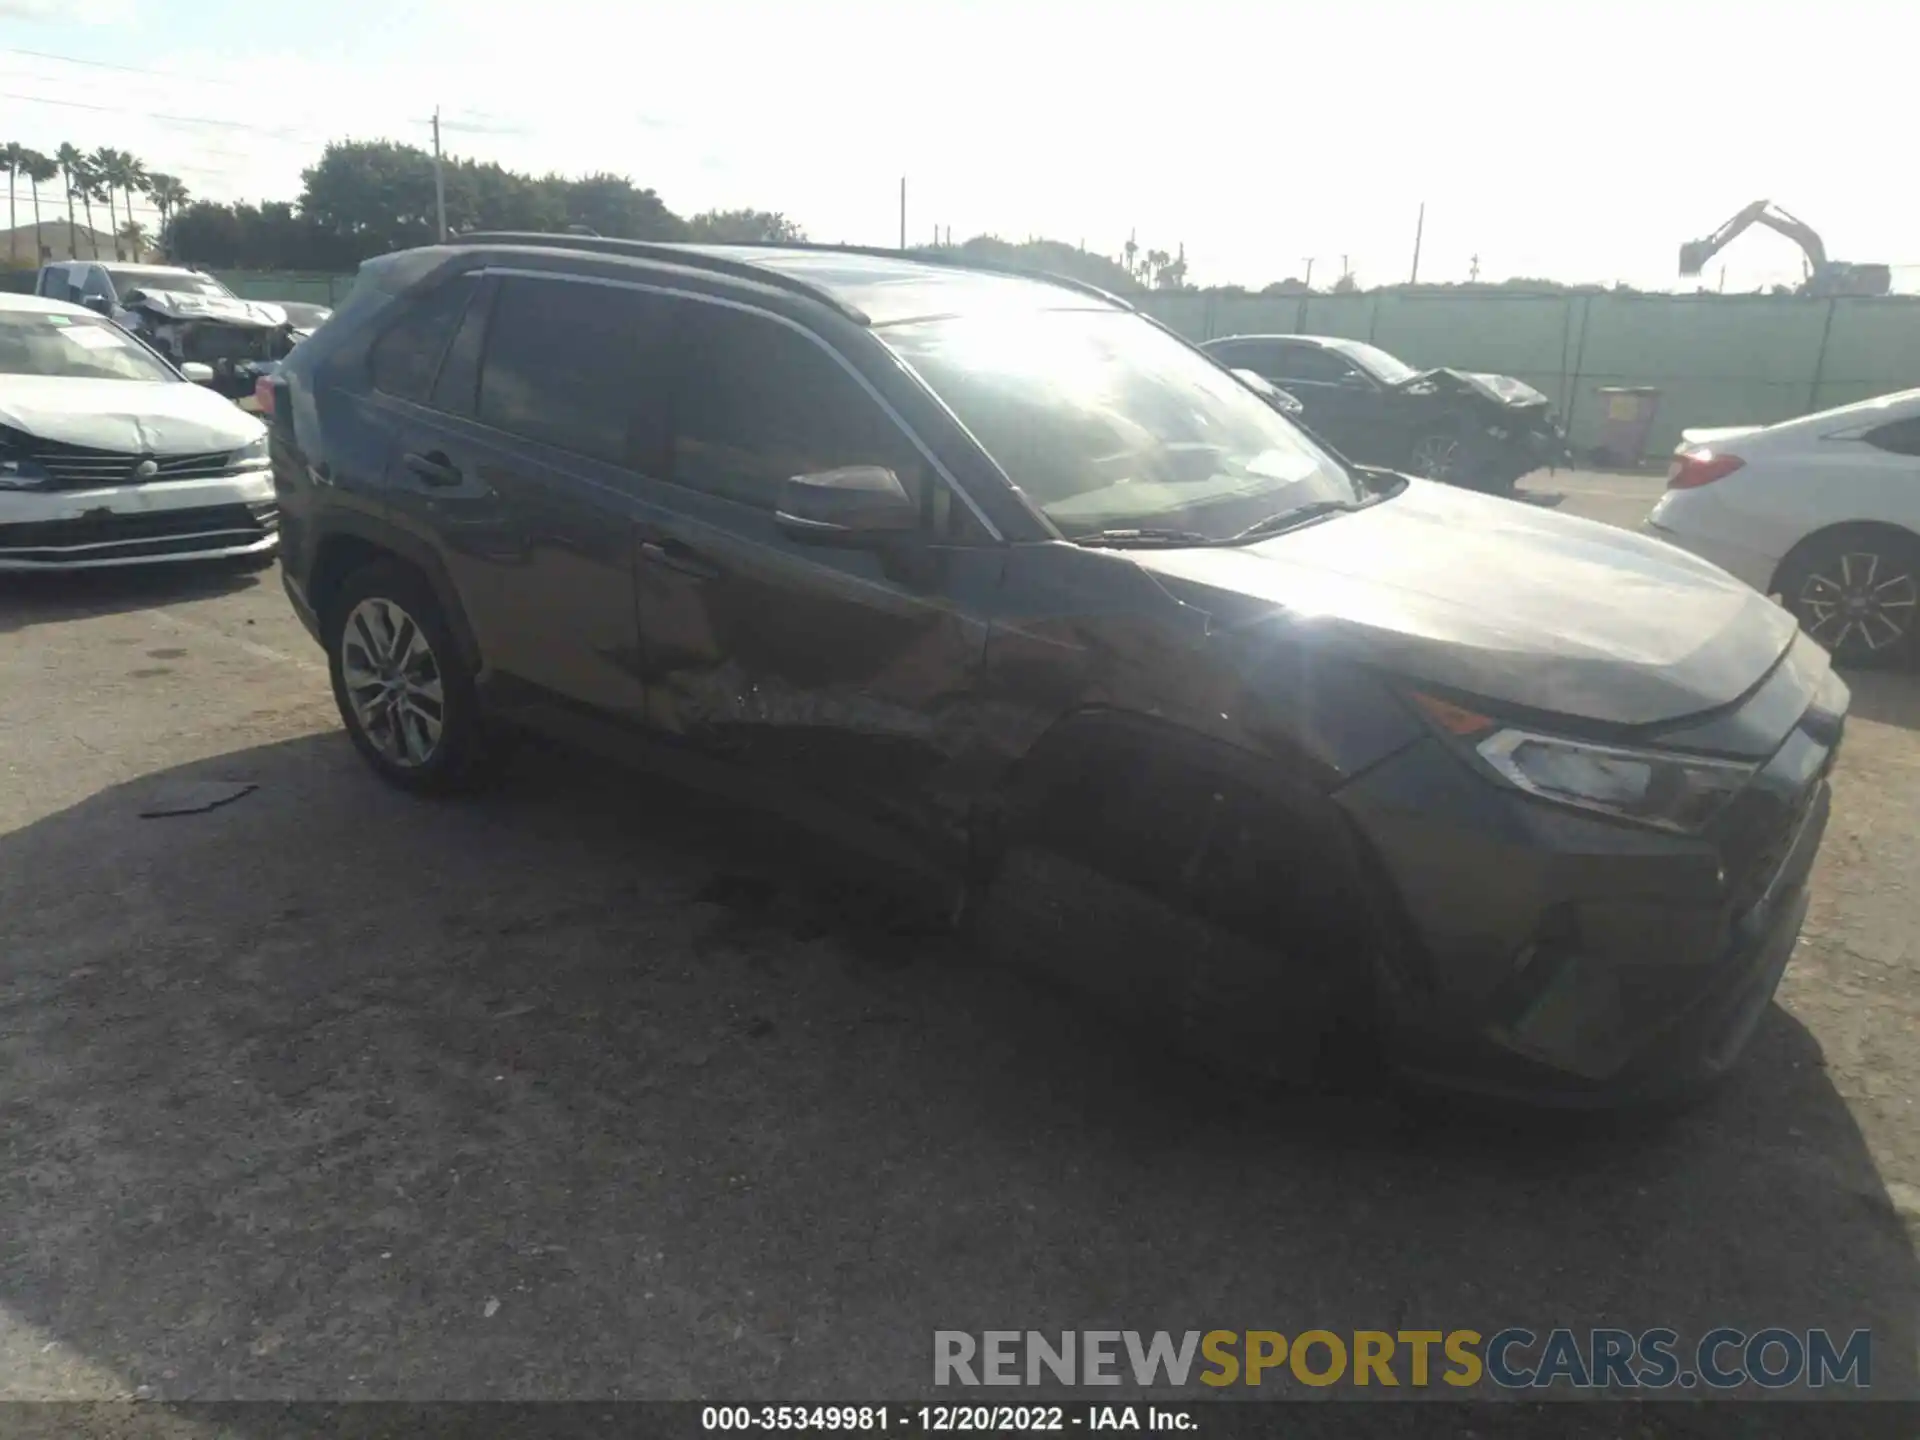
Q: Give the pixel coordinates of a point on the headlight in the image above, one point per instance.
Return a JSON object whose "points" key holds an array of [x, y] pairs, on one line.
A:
{"points": [[1653, 787], [253, 454], [21, 475]]}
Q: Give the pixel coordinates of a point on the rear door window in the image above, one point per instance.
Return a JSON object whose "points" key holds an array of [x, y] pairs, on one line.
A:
{"points": [[406, 358], [577, 366], [1309, 363], [757, 402]]}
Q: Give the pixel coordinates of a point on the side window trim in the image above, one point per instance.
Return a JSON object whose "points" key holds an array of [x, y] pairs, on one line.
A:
{"points": [[893, 415]]}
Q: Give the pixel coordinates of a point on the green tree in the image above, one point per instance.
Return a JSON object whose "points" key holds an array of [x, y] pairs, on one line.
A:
{"points": [[135, 234], [743, 227], [13, 156], [73, 166], [39, 169], [101, 166], [118, 170]]}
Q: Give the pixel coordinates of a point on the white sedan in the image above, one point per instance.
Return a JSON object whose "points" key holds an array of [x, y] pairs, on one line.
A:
{"points": [[111, 456], [1822, 512]]}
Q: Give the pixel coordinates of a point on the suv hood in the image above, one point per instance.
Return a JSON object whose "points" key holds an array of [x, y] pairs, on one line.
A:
{"points": [[178, 305], [137, 417], [1501, 600]]}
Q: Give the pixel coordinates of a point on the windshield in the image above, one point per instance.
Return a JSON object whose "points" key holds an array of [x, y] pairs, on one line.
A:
{"points": [[183, 282], [1383, 367], [1106, 422], [70, 347]]}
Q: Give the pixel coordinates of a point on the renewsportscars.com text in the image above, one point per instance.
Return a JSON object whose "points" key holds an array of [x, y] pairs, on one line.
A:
{"points": [[1514, 1358]]}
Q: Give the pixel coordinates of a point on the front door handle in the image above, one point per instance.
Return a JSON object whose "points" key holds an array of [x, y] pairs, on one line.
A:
{"points": [[676, 556], [433, 468]]}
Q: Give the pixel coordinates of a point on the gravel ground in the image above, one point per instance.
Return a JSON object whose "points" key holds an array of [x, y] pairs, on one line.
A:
{"points": [[575, 1091]]}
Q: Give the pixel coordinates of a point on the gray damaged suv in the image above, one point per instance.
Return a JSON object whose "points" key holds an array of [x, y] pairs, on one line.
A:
{"points": [[1008, 584]]}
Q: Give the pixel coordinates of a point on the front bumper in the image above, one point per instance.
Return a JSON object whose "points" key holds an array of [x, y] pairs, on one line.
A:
{"points": [[228, 516], [1547, 955]]}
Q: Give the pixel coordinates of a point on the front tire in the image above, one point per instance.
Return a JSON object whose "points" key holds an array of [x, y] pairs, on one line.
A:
{"points": [[405, 694], [1857, 592]]}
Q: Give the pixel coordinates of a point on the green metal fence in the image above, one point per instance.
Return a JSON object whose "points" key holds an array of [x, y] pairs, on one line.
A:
{"points": [[278, 285], [1716, 359]]}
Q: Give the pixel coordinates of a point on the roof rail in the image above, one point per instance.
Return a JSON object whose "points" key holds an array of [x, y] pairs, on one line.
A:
{"points": [[673, 254], [953, 262]]}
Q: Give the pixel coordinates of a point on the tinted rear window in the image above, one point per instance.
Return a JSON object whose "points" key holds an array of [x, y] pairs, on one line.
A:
{"points": [[407, 356]]}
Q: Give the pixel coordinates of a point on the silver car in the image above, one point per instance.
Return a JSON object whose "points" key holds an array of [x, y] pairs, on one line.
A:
{"points": [[111, 456], [1822, 511]]}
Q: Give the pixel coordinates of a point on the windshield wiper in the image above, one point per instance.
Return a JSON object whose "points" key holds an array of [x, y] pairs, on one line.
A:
{"points": [[1299, 515], [1117, 539]]}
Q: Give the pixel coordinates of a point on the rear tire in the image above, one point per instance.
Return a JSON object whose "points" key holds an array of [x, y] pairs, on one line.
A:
{"points": [[405, 694], [1857, 592]]}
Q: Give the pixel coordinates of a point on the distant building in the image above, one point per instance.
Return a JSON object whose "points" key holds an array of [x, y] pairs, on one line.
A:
{"points": [[51, 242]]}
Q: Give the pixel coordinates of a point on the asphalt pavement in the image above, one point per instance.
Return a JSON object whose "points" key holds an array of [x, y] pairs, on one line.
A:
{"points": [[591, 1088]]}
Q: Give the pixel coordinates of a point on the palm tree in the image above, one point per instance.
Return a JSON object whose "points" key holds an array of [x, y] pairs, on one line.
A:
{"points": [[131, 176], [13, 156], [72, 166], [135, 234], [168, 196], [90, 191], [39, 168], [105, 164]]}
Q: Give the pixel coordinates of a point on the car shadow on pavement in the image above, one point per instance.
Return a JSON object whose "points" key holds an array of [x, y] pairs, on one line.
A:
{"points": [[573, 1091], [41, 599]]}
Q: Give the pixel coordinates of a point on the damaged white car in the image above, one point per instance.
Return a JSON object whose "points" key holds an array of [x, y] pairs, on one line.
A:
{"points": [[111, 456], [186, 315]]}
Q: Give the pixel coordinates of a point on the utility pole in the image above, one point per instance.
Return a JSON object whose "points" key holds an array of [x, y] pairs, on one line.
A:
{"points": [[1308, 282], [1473, 271], [1345, 268], [439, 179], [1419, 229], [903, 212]]}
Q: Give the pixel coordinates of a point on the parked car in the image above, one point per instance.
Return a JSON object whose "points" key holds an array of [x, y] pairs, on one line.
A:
{"points": [[1483, 432], [111, 456], [187, 315], [1003, 582], [1823, 511]]}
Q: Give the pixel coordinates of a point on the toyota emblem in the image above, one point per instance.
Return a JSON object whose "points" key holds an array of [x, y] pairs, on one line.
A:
{"points": [[145, 470]]}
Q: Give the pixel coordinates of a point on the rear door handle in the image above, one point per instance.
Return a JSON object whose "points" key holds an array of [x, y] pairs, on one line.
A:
{"points": [[433, 468], [676, 556]]}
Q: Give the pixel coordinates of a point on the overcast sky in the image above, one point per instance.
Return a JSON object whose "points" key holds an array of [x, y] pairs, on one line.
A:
{"points": [[1579, 142]]}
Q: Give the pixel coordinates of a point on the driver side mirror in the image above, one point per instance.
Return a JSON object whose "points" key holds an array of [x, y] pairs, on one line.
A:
{"points": [[198, 373], [857, 505], [99, 304]]}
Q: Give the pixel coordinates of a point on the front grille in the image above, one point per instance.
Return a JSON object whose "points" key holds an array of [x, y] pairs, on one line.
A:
{"points": [[82, 467], [150, 532], [210, 343]]}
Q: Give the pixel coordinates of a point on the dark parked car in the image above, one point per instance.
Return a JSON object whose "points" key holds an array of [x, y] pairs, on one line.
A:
{"points": [[1480, 431], [1004, 582]]}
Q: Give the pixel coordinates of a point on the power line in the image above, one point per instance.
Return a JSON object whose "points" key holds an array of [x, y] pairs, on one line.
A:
{"points": [[124, 69], [288, 136]]}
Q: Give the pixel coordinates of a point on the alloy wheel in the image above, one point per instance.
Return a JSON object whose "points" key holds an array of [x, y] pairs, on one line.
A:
{"points": [[393, 682], [1859, 595], [1436, 456]]}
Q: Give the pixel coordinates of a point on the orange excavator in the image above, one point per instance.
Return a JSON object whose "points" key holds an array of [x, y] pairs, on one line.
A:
{"points": [[1824, 277]]}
